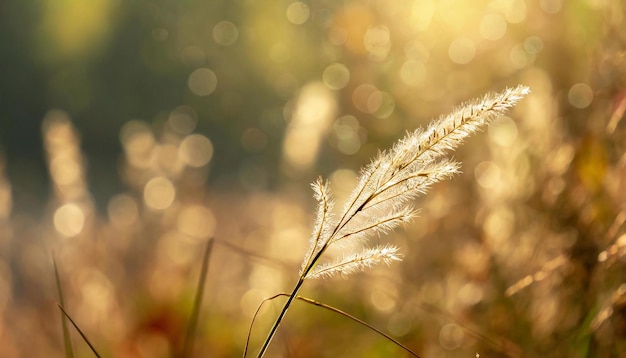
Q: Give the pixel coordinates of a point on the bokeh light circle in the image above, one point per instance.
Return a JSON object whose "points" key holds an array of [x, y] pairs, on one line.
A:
{"points": [[412, 72], [196, 221], [202, 82], [225, 33], [336, 76], [493, 27], [159, 193], [580, 95], [69, 220], [298, 13], [462, 50], [195, 150]]}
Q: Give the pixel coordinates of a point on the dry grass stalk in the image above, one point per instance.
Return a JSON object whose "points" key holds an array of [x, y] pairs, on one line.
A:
{"points": [[380, 202]]}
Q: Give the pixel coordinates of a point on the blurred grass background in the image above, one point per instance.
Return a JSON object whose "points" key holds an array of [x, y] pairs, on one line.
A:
{"points": [[131, 132]]}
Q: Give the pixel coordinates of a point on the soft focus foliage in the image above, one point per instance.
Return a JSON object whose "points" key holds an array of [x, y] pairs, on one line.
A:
{"points": [[132, 132]]}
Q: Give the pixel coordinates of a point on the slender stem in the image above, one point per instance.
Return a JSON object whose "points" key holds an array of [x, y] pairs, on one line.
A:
{"points": [[292, 296], [281, 316], [69, 351], [197, 302], [79, 331]]}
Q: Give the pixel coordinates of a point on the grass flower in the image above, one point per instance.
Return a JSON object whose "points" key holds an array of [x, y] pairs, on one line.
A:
{"points": [[381, 200]]}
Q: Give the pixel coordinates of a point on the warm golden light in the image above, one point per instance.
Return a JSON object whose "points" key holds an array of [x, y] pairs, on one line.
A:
{"points": [[336, 76], [298, 13], [159, 193], [347, 131], [69, 220], [139, 143], [65, 160], [137, 134], [377, 41], [451, 336], [343, 180], [551, 6], [196, 221], [6, 200], [123, 210], [503, 131], [65, 170], [487, 175], [462, 50], [361, 96], [413, 72], [313, 114], [196, 150], [381, 104], [493, 27]]}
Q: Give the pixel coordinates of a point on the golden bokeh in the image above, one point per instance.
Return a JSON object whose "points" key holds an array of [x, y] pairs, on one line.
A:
{"points": [[133, 134], [195, 150], [69, 220], [159, 193]]}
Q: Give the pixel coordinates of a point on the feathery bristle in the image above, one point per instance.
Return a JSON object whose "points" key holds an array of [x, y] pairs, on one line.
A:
{"points": [[357, 262], [379, 203]]}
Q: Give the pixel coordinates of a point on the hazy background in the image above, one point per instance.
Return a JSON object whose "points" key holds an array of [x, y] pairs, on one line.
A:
{"points": [[133, 131]]}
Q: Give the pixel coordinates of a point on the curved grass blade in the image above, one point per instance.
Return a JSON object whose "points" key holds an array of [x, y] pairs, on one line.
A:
{"points": [[332, 309], [256, 313], [359, 321]]}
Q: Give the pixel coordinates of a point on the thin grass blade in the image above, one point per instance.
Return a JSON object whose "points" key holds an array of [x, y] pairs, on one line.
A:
{"points": [[359, 321], [195, 312], [67, 341], [256, 313], [79, 331], [332, 309]]}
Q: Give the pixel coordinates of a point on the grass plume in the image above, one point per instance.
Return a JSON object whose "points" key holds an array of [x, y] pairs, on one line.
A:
{"points": [[380, 201]]}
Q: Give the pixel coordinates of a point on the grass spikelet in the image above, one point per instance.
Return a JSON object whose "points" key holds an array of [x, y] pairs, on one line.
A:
{"points": [[357, 262], [325, 206], [379, 203], [367, 225]]}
